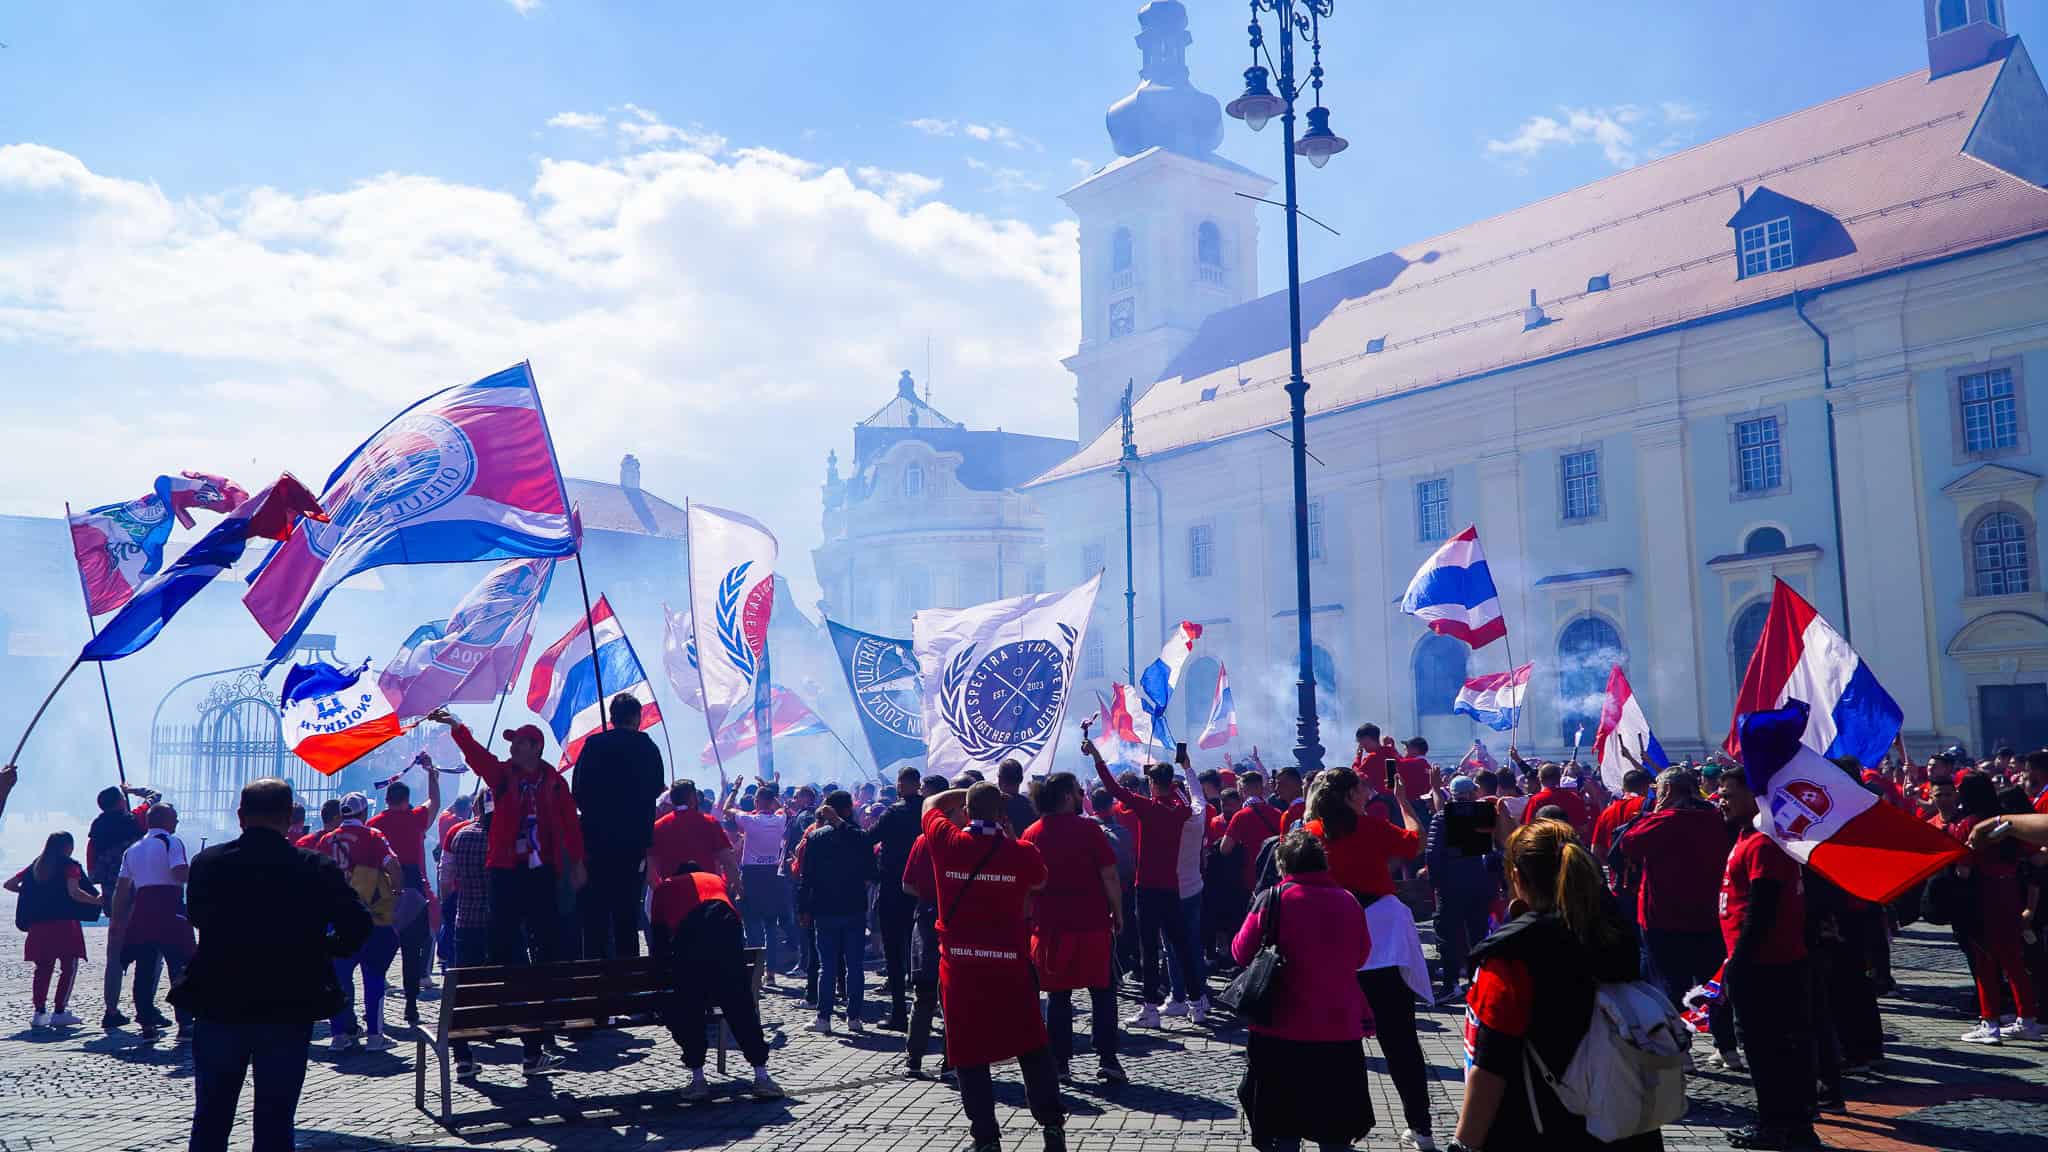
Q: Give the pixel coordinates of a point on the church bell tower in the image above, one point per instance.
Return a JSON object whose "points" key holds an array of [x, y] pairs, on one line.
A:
{"points": [[1166, 237]]}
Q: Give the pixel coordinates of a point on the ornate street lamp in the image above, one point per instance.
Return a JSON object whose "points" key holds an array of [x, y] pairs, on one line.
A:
{"points": [[1258, 105]]}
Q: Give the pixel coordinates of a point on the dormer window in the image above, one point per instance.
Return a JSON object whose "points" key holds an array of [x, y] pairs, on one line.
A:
{"points": [[1766, 247], [913, 482]]}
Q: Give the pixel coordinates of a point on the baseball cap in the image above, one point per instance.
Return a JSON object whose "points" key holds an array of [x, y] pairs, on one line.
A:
{"points": [[355, 805], [525, 732], [1463, 787]]}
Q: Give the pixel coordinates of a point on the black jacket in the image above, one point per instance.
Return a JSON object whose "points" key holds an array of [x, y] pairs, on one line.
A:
{"points": [[839, 861], [618, 777], [271, 920], [897, 832]]}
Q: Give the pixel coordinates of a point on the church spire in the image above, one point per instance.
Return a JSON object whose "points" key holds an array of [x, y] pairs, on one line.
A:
{"points": [[1166, 110]]}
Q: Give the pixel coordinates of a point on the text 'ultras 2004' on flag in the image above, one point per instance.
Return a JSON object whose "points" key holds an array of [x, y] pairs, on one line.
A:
{"points": [[466, 474]]}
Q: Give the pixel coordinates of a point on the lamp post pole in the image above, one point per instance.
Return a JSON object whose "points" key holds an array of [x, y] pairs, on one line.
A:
{"points": [[1124, 462], [1255, 108]]}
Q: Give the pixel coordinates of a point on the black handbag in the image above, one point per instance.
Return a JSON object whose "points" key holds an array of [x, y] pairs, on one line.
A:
{"points": [[1252, 992]]}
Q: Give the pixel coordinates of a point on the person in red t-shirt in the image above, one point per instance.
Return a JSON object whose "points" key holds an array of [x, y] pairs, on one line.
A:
{"points": [[1763, 924], [1372, 757], [1162, 817], [693, 929], [1996, 949], [1554, 792], [1635, 791], [688, 834], [987, 986], [1074, 923], [1362, 851], [1287, 797], [372, 870], [330, 819], [405, 826], [1253, 824], [1677, 854]]}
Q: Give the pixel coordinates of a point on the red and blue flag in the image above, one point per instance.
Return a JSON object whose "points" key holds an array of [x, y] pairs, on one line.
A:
{"points": [[468, 473], [563, 689]]}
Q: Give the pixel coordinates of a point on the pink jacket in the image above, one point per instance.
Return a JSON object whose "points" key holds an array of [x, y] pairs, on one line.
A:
{"points": [[1324, 941]]}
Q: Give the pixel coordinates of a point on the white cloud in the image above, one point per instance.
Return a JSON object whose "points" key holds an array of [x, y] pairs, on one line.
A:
{"points": [[579, 121], [1006, 181], [726, 314], [989, 133], [1613, 129], [933, 127], [524, 7], [899, 188], [643, 127]]}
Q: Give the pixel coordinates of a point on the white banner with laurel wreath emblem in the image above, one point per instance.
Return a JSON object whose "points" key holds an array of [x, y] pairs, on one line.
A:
{"points": [[732, 593], [996, 678]]}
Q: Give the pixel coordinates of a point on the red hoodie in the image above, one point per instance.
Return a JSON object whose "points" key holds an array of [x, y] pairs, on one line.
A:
{"points": [[553, 809]]}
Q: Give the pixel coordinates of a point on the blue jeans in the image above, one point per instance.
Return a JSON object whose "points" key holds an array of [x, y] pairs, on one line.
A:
{"points": [[222, 1054], [842, 946], [1194, 965], [765, 909], [374, 958]]}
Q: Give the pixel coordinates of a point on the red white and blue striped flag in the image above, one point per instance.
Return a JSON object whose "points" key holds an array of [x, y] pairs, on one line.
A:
{"points": [[564, 687], [1453, 593]]}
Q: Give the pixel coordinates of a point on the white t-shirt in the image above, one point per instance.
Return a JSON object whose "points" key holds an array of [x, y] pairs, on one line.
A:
{"points": [[148, 861], [761, 838]]}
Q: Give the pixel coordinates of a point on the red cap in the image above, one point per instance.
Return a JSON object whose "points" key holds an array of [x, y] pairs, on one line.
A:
{"points": [[527, 732]]}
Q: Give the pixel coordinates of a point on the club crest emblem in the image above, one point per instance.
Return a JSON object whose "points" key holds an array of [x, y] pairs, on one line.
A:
{"points": [[742, 618], [885, 686], [1007, 701], [417, 465], [1798, 806]]}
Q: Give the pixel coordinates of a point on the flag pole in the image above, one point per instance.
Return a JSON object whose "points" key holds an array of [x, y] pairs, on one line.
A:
{"points": [[1508, 646], [37, 718], [106, 694], [604, 723], [690, 578], [665, 742]]}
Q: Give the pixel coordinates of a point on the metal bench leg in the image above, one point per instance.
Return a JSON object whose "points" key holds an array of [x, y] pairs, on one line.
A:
{"points": [[445, 1112], [419, 1073], [723, 1032]]}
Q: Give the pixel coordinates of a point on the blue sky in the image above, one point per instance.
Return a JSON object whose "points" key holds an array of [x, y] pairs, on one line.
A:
{"points": [[236, 237]]}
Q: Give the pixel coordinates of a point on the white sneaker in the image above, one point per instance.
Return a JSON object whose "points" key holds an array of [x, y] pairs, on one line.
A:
{"points": [[1984, 1033], [41, 1020], [379, 1042], [64, 1020], [1420, 1141], [1146, 1016], [764, 1087], [1174, 1009], [822, 1026], [342, 1043], [2022, 1029], [854, 1026], [1725, 1060], [1199, 1011]]}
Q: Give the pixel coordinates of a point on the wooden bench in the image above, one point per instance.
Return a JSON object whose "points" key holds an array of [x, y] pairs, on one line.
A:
{"points": [[500, 1002]]}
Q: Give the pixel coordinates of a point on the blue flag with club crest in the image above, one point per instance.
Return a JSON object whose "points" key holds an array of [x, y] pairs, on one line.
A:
{"points": [[881, 672]]}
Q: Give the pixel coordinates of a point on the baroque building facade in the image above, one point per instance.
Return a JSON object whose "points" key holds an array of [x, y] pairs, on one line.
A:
{"points": [[1803, 351]]}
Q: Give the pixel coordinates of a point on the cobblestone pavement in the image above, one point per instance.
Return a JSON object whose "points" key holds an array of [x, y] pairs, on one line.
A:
{"points": [[88, 1090]]}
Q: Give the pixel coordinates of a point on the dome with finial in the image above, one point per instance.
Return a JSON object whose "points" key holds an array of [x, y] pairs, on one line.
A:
{"points": [[1166, 110]]}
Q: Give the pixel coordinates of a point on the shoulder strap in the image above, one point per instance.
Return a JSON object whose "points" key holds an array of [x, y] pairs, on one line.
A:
{"points": [[972, 877]]}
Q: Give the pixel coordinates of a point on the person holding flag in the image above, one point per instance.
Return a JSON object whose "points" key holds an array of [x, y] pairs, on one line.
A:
{"points": [[535, 837]]}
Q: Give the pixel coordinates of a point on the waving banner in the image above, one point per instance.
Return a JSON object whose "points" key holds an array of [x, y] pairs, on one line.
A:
{"points": [[881, 672], [473, 655], [465, 474], [118, 546], [996, 677], [732, 594]]}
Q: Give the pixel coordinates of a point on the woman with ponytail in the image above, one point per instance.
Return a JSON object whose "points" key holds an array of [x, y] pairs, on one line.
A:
{"points": [[1533, 985]]}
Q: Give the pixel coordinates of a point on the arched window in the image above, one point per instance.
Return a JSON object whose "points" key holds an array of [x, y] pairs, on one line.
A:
{"points": [[1746, 635], [1587, 652], [1209, 245], [1439, 673], [913, 481], [1198, 692], [1120, 251], [1998, 554], [1325, 667], [1763, 541]]}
